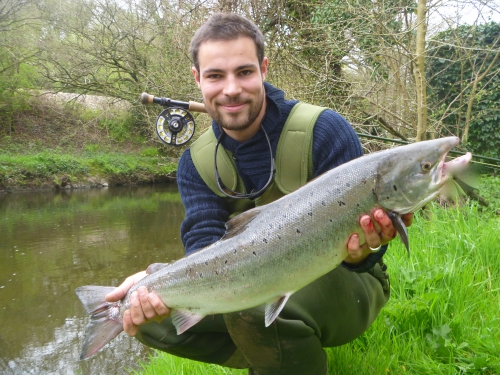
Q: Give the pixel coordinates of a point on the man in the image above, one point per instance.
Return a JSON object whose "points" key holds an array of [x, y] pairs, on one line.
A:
{"points": [[249, 115]]}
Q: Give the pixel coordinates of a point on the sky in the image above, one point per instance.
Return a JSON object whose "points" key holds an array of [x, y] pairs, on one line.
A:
{"points": [[463, 12]]}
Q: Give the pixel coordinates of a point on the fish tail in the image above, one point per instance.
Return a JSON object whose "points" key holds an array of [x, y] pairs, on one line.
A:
{"points": [[105, 320]]}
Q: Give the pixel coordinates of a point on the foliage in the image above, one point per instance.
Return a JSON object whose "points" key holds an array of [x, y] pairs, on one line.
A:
{"points": [[16, 52], [458, 57], [489, 188], [163, 364], [357, 57], [52, 169], [372, 45]]}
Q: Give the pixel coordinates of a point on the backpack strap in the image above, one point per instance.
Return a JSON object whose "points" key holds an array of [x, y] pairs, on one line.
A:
{"points": [[295, 148], [202, 154]]}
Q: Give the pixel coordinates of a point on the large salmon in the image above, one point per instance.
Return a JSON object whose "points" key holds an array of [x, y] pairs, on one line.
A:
{"points": [[270, 252]]}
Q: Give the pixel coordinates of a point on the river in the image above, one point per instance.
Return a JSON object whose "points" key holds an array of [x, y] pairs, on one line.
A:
{"points": [[53, 242]]}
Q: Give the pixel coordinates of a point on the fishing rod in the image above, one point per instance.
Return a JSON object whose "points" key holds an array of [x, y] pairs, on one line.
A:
{"points": [[175, 126]]}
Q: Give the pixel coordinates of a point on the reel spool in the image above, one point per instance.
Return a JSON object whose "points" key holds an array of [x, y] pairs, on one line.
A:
{"points": [[175, 126]]}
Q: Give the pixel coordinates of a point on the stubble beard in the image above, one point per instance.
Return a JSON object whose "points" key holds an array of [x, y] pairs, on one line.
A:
{"points": [[237, 121]]}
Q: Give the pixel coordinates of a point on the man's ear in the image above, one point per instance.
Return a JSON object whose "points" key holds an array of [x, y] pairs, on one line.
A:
{"points": [[196, 75], [263, 68]]}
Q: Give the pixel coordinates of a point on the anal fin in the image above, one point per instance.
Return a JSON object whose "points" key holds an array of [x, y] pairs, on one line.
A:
{"points": [[183, 319], [274, 308]]}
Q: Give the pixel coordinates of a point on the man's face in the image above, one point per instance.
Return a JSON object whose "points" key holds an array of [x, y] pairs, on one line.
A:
{"points": [[231, 81]]}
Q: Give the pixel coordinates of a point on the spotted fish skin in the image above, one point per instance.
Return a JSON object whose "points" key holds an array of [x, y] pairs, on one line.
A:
{"points": [[271, 251]]}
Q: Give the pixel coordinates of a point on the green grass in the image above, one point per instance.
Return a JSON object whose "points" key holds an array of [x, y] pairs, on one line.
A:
{"points": [[51, 167], [444, 313]]}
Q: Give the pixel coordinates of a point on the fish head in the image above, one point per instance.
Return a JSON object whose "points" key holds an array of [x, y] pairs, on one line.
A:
{"points": [[411, 176]]}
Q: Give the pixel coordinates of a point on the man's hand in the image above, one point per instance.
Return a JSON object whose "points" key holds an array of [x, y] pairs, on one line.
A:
{"points": [[144, 307], [375, 235]]}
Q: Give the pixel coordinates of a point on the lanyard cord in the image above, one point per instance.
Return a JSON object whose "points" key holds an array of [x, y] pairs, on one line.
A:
{"points": [[233, 194]]}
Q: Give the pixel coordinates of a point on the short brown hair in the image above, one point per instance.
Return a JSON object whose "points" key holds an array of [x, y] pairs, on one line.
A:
{"points": [[226, 26]]}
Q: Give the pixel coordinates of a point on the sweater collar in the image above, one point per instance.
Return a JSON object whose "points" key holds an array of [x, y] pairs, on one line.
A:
{"points": [[275, 99]]}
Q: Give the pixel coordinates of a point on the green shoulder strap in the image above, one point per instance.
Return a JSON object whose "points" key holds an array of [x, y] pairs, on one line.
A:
{"points": [[294, 148], [202, 154]]}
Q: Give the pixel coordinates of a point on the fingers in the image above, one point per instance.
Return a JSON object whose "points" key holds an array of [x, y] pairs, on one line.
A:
{"points": [[383, 232], [144, 308], [356, 252], [161, 311], [128, 325], [387, 232], [122, 290], [377, 231]]}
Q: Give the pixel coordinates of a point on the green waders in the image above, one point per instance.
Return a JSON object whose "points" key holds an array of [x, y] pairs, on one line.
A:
{"points": [[333, 310]]}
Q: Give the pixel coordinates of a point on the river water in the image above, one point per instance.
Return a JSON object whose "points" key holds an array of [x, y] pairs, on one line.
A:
{"points": [[53, 242]]}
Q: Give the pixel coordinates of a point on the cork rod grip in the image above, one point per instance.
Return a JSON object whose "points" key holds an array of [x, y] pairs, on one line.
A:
{"points": [[197, 107]]}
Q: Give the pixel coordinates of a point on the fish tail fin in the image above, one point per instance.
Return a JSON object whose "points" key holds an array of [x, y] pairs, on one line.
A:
{"points": [[105, 320]]}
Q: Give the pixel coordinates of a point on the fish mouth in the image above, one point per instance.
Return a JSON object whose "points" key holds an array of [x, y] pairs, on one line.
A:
{"points": [[455, 166], [455, 177], [446, 170]]}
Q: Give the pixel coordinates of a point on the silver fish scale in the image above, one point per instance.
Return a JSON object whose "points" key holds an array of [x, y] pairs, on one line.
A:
{"points": [[289, 244]]}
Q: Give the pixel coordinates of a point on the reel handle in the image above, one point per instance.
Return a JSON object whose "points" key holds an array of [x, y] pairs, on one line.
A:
{"points": [[167, 102]]}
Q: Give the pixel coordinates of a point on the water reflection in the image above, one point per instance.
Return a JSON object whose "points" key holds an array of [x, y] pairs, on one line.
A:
{"points": [[51, 243]]}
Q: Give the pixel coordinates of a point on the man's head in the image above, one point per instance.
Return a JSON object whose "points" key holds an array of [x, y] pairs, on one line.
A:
{"points": [[226, 26], [230, 70]]}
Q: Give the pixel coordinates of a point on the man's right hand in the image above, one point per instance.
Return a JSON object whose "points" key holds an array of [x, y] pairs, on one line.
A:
{"points": [[145, 307]]}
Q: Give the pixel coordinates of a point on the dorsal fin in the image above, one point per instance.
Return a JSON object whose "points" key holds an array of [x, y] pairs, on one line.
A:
{"points": [[155, 267], [238, 223]]}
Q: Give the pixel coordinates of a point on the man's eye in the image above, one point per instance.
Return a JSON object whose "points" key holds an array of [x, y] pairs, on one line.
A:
{"points": [[245, 72]]}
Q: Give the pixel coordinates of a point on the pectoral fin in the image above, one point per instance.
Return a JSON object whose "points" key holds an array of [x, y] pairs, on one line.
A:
{"points": [[401, 228], [274, 308]]}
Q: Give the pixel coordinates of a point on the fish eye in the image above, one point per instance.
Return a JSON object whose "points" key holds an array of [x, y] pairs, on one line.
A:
{"points": [[426, 166]]}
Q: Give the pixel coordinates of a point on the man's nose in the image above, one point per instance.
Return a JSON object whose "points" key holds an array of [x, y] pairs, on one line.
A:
{"points": [[232, 86]]}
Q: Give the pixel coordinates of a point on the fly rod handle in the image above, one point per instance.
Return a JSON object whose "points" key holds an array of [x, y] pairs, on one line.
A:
{"points": [[197, 107], [167, 102]]}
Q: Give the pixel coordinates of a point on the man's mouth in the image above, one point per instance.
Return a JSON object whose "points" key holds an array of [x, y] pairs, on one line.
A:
{"points": [[233, 107]]}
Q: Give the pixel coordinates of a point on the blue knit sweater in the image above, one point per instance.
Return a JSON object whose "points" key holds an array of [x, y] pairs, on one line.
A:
{"points": [[334, 143]]}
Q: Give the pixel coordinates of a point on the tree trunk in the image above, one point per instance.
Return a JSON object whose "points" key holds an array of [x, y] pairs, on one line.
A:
{"points": [[419, 71]]}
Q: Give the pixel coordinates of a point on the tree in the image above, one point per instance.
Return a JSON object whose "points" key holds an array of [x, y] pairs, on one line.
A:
{"points": [[464, 75], [17, 23]]}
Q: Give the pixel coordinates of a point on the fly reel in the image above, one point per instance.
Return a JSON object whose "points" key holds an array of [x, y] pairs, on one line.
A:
{"points": [[175, 125]]}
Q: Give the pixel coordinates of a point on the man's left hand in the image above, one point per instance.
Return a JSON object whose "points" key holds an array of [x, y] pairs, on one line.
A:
{"points": [[376, 234]]}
